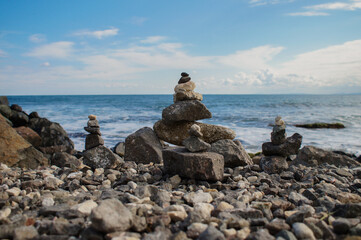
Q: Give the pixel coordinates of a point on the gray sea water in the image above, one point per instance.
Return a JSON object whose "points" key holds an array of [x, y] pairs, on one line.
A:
{"points": [[249, 115]]}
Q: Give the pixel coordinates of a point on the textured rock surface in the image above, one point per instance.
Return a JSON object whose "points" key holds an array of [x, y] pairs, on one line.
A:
{"points": [[189, 95], [111, 216], [184, 87], [285, 149], [177, 133], [190, 110], [100, 157], [93, 140], [195, 144], [143, 146], [54, 138], [63, 159], [203, 166], [273, 164], [5, 111], [16, 151], [29, 135], [312, 156], [19, 118], [234, 155]]}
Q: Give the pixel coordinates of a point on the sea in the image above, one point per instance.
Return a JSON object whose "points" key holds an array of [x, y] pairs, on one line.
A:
{"points": [[250, 116]]}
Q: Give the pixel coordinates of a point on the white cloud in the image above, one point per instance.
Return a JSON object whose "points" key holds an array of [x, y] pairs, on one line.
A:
{"points": [[52, 50], [251, 59], [266, 2], [239, 72], [45, 64], [308, 14], [98, 34], [153, 39], [37, 38], [349, 5]]}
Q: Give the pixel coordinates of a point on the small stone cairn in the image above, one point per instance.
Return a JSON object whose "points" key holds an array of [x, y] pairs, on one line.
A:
{"points": [[93, 139], [96, 155], [276, 152], [207, 148]]}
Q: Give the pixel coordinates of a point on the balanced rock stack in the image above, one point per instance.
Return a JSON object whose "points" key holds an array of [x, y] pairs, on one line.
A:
{"points": [[93, 139], [184, 89], [178, 118], [208, 148], [96, 155], [276, 152]]}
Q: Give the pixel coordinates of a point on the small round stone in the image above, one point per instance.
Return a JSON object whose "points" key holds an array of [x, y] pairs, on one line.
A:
{"points": [[92, 117], [184, 74]]}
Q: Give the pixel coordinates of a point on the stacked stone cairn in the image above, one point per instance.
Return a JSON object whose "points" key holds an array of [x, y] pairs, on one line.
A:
{"points": [[93, 139], [279, 149], [96, 155], [207, 148]]}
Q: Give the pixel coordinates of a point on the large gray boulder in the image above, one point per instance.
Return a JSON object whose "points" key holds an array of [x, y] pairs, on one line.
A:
{"points": [[15, 151], [312, 156], [100, 157], [19, 118], [111, 216], [143, 146], [234, 154], [290, 147], [273, 164], [190, 110], [54, 137], [5, 111], [178, 132], [207, 166]]}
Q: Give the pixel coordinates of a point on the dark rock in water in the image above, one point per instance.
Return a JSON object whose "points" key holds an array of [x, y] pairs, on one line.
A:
{"points": [[111, 216], [184, 80], [321, 125], [184, 74], [202, 166], [312, 156], [186, 111], [19, 118], [34, 115], [143, 146], [93, 140], [5, 111], [273, 164], [54, 137], [29, 135], [178, 132], [195, 144], [285, 149], [4, 100], [100, 157], [63, 159], [120, 149], [16, 151], [16, 107], [234, 155], [93, 130], [211, 233]]}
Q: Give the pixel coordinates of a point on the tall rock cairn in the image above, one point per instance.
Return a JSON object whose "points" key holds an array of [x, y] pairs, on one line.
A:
{"points": [[93, 139], [276, 152], [178, 118]]}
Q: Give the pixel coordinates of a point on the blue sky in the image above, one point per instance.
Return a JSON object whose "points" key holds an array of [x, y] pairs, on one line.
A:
{"points": [[141, 47]]}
